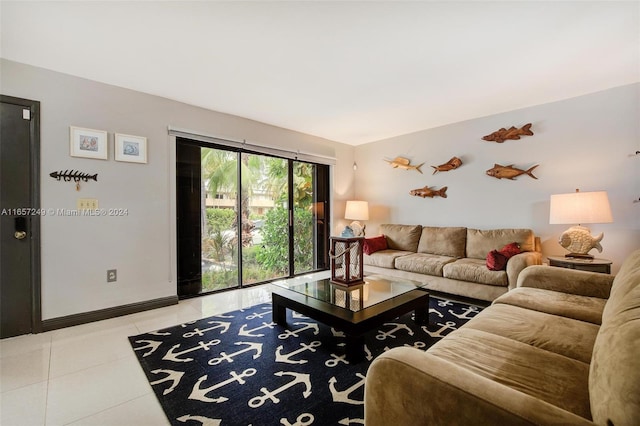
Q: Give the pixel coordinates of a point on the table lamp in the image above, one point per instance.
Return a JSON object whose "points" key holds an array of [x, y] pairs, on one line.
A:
{"points": [[356, 211], [578, 208]]}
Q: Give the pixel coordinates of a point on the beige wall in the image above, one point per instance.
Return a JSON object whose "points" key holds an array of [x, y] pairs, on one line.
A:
{"points": [[77, 251], [585, 142]]}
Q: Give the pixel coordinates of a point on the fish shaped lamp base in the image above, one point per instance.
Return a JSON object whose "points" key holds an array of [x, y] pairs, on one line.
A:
{"points": [[579, 241]]}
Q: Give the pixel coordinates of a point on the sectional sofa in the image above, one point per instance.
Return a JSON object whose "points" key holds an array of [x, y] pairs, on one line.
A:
{"points": [[563, 348], [453, 260]]}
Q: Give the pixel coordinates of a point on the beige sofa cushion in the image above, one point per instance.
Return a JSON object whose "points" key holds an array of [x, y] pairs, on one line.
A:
{"points": [[445, 241], [564, 336], [474, 270], [582, 308], [519, 366], [384, 258], [429, 264], [402, 237], [481, 242], [614, 379]]}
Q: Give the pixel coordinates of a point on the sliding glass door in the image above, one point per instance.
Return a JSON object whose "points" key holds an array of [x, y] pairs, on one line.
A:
{"points": [[246, 218]]}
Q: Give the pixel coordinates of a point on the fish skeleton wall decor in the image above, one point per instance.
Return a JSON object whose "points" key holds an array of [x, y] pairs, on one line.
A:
{"points": [[509, 172], [403, 163], [427, 192], [454, 163], [510, 133], [76, 176]]}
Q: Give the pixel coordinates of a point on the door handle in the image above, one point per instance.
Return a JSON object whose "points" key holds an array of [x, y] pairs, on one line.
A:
{"points": [[20, 228]]}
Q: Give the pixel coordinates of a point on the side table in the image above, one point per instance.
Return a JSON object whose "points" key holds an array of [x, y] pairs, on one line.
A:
{"points": [[592, 265]]}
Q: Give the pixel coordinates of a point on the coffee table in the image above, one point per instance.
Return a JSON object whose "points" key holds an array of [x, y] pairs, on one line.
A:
{"points": [[354, 309]]}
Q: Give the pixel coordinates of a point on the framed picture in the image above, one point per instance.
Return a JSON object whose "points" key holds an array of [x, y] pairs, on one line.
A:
{"points": [[131, 148], [88, 143]]}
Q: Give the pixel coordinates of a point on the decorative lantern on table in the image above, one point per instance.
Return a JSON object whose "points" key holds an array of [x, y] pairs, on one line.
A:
{"points": [[346, 260]]}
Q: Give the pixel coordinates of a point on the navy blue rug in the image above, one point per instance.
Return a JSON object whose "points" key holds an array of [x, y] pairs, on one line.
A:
{"points": [[240, 368]]}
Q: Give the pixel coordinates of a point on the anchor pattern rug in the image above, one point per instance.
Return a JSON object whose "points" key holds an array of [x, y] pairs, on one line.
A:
{"points": [[240, 368]]}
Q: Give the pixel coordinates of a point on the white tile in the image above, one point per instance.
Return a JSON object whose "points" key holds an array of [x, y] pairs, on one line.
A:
{"points": [[75, 353], [23, 344], [143, 411], [24, 406], [24, 369], [89, 328], [164, 317], [78, 395]]}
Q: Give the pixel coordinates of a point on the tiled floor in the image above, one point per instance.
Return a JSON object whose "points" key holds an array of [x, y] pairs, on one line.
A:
{"points": [[88, 374]]}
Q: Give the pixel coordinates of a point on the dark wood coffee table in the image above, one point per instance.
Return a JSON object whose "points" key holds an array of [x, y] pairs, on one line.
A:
{"points": [[354, 310]]}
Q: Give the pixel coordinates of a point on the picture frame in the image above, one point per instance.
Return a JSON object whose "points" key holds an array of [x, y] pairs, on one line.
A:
{"points": [[130, 148], [88, 143]]}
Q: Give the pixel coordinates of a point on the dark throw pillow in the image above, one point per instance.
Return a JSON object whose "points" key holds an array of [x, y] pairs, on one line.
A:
{"points": [[497, 259], [372, 245]]}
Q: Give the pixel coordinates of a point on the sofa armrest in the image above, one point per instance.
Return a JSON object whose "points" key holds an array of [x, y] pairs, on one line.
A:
{"points": [[571, 281], [517, 263], [406, 386]]}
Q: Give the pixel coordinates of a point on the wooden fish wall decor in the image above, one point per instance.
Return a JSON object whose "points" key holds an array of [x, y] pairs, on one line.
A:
{"points": [[454, 163], [428, 192], [510, 133], [509, 172], [403, 163]]}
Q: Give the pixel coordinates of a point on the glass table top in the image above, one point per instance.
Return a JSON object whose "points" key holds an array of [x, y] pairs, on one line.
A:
{"points": [[375, 289]]}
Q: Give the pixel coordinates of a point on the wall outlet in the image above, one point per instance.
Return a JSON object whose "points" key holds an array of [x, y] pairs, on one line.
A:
{"points": [[112, 275], [87, 204]]}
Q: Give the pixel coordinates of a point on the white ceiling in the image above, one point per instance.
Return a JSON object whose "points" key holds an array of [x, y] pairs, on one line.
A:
{"points": [[352, 72]]}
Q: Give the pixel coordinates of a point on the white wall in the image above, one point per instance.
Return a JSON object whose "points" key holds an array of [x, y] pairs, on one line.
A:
{"points": [[77, 251], [584, 143]]}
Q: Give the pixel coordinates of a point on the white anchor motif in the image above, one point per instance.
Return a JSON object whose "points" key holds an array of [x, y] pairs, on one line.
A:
{"points": [[173, 356], [199, 393], [152, 345], [343, 396], [391, 333], [304, 419], [298, 315], [205, 421], [286, 357], [258, 315], [367, 353], [337, 359], [306, 326], [218, 324], [417, 345], [438, 333], [435, 311], [159, 333], [444, 303], [247, 333], [347, 421], [229, 357], [337, 333], [298, 378], [467, 311], [172, 375]]}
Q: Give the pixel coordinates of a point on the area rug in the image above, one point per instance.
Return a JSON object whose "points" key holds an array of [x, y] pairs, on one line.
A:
{"points": [[240, 368]]}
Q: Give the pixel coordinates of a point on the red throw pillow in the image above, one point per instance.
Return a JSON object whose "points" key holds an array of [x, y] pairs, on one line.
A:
{"points": [[511, 250], [372, 245], [496, 261]]}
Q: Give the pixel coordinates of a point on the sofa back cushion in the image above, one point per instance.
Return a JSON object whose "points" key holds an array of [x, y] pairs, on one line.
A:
{"points": [[481, 242], [402, 237], [614, 373], [444, 241]]}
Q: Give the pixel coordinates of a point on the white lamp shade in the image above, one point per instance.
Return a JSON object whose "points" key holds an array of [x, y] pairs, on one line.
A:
{"points": [[580, 207], [357, 210]]}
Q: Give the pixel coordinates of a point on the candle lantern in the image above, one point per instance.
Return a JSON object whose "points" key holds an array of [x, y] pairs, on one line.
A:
{"points": [[346, 260]]}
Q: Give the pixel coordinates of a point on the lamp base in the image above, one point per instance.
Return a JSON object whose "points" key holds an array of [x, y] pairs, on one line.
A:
{"points": [[358, 228], [579, 241]]}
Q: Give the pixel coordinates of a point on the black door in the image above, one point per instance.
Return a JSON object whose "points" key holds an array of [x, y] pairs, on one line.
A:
{"points": [[20, 217]]}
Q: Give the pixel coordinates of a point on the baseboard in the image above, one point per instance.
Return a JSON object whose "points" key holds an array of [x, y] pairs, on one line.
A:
{"points": [[102, 314]]}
